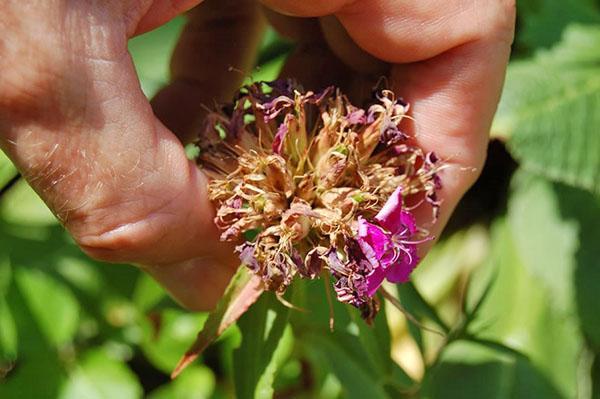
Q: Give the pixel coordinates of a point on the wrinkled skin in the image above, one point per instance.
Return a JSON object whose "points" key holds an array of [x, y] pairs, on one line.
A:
{"points": [[111, 165]]}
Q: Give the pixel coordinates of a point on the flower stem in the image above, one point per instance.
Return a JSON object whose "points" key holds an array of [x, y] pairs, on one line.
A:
{"points": [[396, 303], [329, 302]]}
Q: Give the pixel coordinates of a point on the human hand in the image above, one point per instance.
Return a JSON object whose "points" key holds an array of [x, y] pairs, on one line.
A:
{"points": [[75, 122]]}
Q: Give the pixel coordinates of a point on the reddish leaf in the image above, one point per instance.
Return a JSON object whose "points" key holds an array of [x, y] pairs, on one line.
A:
{"points": [[243, 290]]}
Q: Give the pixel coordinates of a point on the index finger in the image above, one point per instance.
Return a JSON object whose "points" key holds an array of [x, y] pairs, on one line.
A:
{"points": [[449, 61]]}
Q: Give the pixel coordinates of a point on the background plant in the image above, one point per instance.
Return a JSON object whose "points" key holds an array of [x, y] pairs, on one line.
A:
{"points": [[513, 283]]}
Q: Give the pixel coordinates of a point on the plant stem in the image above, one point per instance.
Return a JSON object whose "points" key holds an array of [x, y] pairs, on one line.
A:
{"points": [[394, 301]]}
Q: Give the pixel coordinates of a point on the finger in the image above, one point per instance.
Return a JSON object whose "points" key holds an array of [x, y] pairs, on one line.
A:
{"points": [[457, 52], [198, 283], [408, 31], [306, 8], [307, 58], [342, 45], [75, 122], [453, 99], [159, 12], [296, 29], [219, 35]]}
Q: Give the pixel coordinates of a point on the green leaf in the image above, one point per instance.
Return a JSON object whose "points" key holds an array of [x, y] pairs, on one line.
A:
{"points": [[596, 378], [168, 335], [196, 382], [52, 304], [375, 339], [151, 53], [543, 21], [266, 343], [549, 110], [8, 329], [98, 376], [583, 209], [469, 370], [21, 205], [363, 350], [520, 314], [267, 71], [273, 45], [414, 302], [8, 335], [5, 274], [7, 169], [148, 293], [556, 232], [545, 241], [39, 375], [243, 290], [339, 352]]}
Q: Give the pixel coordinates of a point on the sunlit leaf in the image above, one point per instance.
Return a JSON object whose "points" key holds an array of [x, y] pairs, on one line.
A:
{"points": [[549, 110], [98, 376], [556, 233], [168, 334], [151, 53], [7, 169], [54, 307], [21, 205], [521, 314], [545, 241], [583, 209], [147, 292], [195, 382]]}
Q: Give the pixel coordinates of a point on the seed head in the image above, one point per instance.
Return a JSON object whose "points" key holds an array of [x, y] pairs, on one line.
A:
{"points": [[307, 184]]}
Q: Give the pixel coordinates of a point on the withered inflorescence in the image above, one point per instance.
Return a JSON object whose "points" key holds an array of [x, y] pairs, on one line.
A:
{"points": [[307, 184]]}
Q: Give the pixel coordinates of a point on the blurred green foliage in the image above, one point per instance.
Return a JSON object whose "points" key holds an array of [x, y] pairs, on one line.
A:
{"points": [[514, 293]]}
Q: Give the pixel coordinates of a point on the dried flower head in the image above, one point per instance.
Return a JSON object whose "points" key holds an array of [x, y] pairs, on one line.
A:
{"points": [[307, 184]]}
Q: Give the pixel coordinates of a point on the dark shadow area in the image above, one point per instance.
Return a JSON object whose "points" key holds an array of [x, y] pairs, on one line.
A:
{"points": [[488, 197]]}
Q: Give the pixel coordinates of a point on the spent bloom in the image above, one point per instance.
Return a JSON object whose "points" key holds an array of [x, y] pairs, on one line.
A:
{"points": [[306, 183]]}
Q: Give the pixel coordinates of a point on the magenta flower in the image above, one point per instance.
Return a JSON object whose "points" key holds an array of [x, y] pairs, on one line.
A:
{"points": [[387, 244]]}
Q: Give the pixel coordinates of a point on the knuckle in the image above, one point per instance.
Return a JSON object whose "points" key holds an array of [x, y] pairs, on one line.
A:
{"points": [[499, 22], [131, 242], [143, 230]]}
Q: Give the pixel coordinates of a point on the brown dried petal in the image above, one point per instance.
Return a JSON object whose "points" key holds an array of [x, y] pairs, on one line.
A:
{"points": [[366, 141], [331, 168], [306, 188], [278, 176], [298, 219], [313, 263]]}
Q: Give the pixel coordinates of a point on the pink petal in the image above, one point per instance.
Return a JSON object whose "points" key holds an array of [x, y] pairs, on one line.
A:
{"points": [[408, 220], [393, 218], [400, 272], [373, 241], [374, 280], [279, 138], [390, 216]]}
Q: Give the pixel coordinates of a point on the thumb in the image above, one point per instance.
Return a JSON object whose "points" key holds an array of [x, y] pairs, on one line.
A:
{"points": [[75, 122]]}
